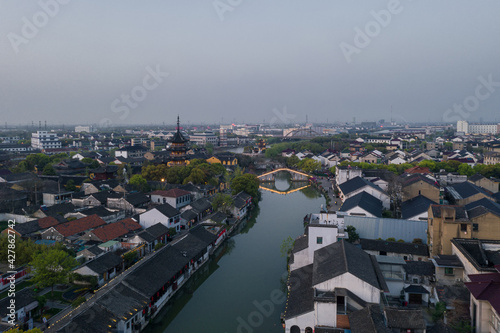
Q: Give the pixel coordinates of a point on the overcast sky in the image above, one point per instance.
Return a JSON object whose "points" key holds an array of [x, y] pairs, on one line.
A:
{"points": [[126, 62]]}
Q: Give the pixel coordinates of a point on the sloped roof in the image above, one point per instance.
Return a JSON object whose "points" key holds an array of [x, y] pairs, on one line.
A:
{"points": [[104, 263], [203, 234], [172, 193], [486, 204], [476, 177], [342, 257], [357, 183], [465, 190], [76, 226], [365, 201], [59, 209], [301, 300], [117, 229], [415, 206], [417, 177], [136, 199], [404, 318], [368, 320], [485, 287], [167, 210], [157, 230]]}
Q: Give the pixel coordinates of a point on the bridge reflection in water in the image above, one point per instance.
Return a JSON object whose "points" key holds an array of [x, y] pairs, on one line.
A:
{"points": [[283, 182]]}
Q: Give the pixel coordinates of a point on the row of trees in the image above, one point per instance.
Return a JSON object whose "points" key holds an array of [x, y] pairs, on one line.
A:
{"points": [[198, 172], [449, 166], [306, 164]]}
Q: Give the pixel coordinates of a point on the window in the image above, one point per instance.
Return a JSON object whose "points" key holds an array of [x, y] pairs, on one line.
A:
{"points": [[415, 280], [463, 227], [319, 240], [475, 227], [383, 253], [448, 271]]}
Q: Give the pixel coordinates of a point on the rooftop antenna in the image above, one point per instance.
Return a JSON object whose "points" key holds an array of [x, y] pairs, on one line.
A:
{"points": [[45, 124], [39, 124], [391, 114]]}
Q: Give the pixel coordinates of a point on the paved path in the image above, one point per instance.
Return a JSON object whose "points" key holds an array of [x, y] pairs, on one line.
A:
{"points": [[327, 184]]}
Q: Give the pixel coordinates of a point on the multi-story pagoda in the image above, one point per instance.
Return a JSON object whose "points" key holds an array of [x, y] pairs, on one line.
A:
{"points": [[178, 148]]}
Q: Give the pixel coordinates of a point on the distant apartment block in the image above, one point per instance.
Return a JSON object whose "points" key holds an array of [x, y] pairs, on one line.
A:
{"points": [[45, 140], [10, 139], [465, 127], [202, 139], [88, 129]]}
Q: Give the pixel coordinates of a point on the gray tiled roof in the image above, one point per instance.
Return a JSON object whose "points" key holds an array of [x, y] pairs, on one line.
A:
{"points": [[415, 206], [404, 318], [167, 210], [487, 205], [301, 299], [342, 257], [465, 190], [355, 184], [368, 320], [104, 263], [416, 289], [365, 201]]}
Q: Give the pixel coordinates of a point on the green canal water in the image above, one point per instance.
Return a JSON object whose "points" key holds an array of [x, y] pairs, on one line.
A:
{"points": [[241, 289]]}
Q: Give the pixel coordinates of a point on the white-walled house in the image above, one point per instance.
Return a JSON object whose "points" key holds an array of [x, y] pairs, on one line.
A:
{"points": [[175, 197], [343, 174], [164, 214], [342, 278], [317, 237]]}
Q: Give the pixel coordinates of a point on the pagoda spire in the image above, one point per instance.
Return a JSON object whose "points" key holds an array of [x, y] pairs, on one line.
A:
{"points": [[178, 124]]}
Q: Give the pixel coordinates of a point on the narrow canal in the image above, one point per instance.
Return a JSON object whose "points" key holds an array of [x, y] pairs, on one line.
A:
{"points": [[242, 288]]}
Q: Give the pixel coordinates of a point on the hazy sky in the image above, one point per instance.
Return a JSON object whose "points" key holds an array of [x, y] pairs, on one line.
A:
{"points": [[120, 61]]}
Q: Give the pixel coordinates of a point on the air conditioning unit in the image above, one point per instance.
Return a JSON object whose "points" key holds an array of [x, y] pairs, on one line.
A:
{"points": [[459, 280]]}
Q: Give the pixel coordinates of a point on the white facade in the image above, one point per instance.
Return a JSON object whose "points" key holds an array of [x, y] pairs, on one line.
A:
{"points": [[202, 139], [154, 216], [87, 129], [463, 126], [319, 237], [176, 202], [45, 140], [343, 175], [483, 128]]}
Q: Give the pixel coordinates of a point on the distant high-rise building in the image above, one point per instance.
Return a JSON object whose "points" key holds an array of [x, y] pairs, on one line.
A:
{"points": [[45, 140], [463, 126], [87, 129]]}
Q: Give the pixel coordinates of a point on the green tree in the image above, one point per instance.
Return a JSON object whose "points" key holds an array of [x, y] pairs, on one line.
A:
{"points": [[353, 235], [70, 185], [49, 170], [309, 165], [292, 161], [222, 202], [248, 183], [197, 176], [87, 160], [52, 267], [287, 246], [139, 183]]}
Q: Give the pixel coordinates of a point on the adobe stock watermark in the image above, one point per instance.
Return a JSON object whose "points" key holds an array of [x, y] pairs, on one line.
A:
{"points": [[282, 116], [471, 103], [363, 37], [223, 6], [131, 100], [31, 27]]}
